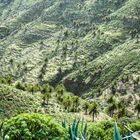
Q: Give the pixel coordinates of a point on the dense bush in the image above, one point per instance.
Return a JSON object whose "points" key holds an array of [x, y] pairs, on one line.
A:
{"points": [[135, 126], [104, 130], [33, 127]]}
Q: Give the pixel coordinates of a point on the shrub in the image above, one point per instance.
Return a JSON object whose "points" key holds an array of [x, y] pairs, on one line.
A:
{"points": [[135, 126], [33, 126], [102, 130]]}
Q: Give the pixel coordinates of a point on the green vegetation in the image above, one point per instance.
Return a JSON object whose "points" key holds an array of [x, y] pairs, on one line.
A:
{"points": [[30, 126], [13, 102], [69, 59], [34, 126]]}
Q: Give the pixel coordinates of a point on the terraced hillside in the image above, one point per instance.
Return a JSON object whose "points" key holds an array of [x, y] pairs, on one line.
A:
{"points": [[86, 45]]}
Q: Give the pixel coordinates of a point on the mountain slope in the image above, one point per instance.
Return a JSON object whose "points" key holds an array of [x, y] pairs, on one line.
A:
{"points": [[84, 44], [14, 101]]}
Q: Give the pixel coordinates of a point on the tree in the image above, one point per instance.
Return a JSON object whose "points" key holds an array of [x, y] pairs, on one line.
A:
{"points": [[99, 92], [120, 104], [66, 33], [121, 112], [11, 61], [9, 80], [32, 89], [75, 100], [46, 60], [133, 33], [60, 89], [114, 87], [46, 88], [19, 86], [137, 108], [67, 102], [110, 99], [64, 51], [136, 82], [46, 97], [111, 108], [85, 62], [86, 107], [137, 38], [121, 109], [40, 76], [93, 110]]}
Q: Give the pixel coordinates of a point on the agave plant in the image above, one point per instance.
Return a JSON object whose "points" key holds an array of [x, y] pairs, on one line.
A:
{"points": [[76, 131], [117, 135]]}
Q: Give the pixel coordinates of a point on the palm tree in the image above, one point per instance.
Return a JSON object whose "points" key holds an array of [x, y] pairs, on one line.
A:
{"points": [[40, 76], [64, 51], [94, 110], [85, 62], [137, 38], [121, 109], [46, 60], [137, 108], [120, 104], [46, 97], [99, 92], [121, 112], [20, 86], [75, 102], [111, 108], [67, 103], [32, 89], [110, 99], [113, 89], [60, 89], [86, 107], [9, 80], [11, 61]]}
